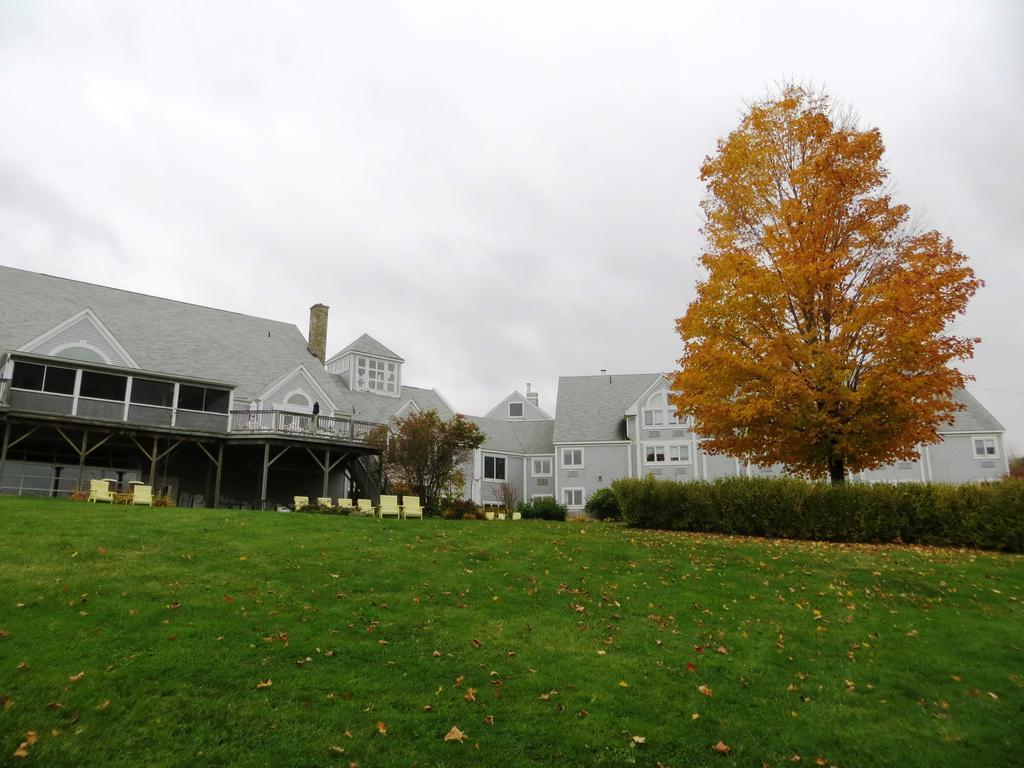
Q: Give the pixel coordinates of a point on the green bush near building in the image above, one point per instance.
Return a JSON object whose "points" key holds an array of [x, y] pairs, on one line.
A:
{"points": [[989, 516]]}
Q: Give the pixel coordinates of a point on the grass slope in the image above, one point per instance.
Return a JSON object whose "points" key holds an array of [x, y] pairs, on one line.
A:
{"points": [[141, 637]]}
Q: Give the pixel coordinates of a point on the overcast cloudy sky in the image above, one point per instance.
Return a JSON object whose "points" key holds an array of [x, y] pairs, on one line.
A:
{"points": [[499, 192]]}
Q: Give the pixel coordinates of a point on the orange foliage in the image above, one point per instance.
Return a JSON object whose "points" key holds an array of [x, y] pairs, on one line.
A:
{"points": [[819, 338]]}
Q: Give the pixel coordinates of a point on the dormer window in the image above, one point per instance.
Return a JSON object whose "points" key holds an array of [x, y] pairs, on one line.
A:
{"points": [[373, 375], [659, 412], [515, 410]]}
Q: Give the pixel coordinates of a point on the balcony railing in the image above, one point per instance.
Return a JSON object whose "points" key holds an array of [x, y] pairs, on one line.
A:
{"points": [[298, 424], [5, 386]]}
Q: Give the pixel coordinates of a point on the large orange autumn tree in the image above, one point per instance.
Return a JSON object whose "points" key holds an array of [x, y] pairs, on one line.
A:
{"points": [[819, 338]]}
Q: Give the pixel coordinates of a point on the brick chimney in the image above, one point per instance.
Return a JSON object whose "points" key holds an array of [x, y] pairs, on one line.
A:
{"points": [[318, 331], [532, 396]]}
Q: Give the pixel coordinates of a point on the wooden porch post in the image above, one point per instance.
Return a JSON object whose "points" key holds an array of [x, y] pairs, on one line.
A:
{"points": [[327, 470], [216, 482], [266, 467], [152, 463], [81, 457], [3, 450]]}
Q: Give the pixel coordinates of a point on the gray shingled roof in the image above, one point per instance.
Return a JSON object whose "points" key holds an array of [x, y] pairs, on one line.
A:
{"points": [[379, 408], [186, 340], [163, 336], [592, 408], [368, 345], [975, 418], [530, 437]]}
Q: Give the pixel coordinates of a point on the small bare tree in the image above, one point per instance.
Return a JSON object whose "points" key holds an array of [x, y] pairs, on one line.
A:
{"points": [[508, 496]]}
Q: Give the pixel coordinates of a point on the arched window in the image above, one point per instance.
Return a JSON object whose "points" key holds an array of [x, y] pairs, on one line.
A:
{"points": [[82, 354], [297, 398]]}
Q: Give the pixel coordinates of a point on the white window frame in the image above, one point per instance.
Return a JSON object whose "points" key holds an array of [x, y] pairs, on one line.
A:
{"points": [[682, 448], [522, 410], [373, 374], [571, 451], [533, 467], [984, 441], [657, 449], [666, 450], [541, 496], [504, 467], [583, 497], [654, 417]]}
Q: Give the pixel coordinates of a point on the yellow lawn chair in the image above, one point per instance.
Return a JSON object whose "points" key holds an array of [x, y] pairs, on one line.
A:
{"points": [[142, 495], [324, 502], [99, 490], [411, 507], [389, 507], [365, 507], [301, 502], [345, 504]]}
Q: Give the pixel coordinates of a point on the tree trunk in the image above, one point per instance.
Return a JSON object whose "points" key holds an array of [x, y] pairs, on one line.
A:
{"points": [[837, 471]]}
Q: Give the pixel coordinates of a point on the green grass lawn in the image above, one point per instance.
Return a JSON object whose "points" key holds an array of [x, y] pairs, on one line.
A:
{"points": [[212, 637]]}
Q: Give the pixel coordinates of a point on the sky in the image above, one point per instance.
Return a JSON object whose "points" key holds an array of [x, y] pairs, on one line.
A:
{"points": [[500, 192]]}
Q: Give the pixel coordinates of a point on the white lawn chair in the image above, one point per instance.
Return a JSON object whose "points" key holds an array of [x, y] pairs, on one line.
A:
{"points": [[301, 502], [324, 502], [365, 507]]}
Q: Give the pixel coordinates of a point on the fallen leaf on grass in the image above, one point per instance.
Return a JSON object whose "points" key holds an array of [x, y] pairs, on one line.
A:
{"points": [[470, 695], [639, 739], [76, 678], [30, 738], [722, 748], [264, 684], [820, 761], [489, 720], [455, 735], [705, 690], [582, 713], [103, 705], [23, 666], [722, 650], [382, 729], [623, 684]]}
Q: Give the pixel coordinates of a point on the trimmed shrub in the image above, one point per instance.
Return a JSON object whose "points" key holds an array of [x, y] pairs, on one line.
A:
{"points": [[603, 505], [982, 516], [542, 509], [461, 509]]}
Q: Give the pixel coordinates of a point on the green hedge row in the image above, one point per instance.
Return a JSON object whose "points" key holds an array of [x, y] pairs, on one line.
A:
{"points": [[982, 516]]}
